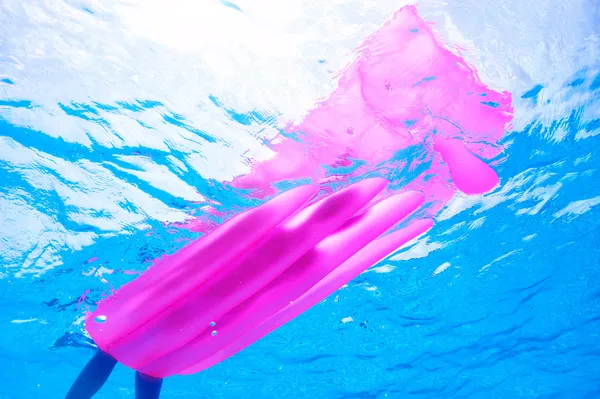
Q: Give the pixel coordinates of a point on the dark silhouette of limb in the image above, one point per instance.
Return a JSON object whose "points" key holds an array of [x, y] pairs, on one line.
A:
{"points": [[92, 377], [147, 387], [96, 373]]}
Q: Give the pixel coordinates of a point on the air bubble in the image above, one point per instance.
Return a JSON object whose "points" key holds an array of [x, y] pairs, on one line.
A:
{"points": [[100, 319]]}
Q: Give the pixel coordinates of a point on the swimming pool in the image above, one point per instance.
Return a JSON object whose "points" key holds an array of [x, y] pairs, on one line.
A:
{"points": [[119, 120]]}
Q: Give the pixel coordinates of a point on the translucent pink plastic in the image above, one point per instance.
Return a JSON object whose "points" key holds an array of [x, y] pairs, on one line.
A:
{"points": [[266, 266], [249, 276], [404, 90]]}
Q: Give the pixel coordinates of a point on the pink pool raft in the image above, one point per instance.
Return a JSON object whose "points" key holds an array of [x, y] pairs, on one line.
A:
{"points": [[251, 275], [267, 265]]}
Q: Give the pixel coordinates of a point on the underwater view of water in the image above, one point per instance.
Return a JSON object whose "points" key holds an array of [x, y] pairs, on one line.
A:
{"points": [[127, 127]]}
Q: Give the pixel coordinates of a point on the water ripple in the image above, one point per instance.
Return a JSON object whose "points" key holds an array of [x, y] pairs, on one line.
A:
{"points": [[121, 123]]}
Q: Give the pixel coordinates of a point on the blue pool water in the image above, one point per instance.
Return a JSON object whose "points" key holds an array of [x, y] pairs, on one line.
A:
{"points": [[108, 134]]}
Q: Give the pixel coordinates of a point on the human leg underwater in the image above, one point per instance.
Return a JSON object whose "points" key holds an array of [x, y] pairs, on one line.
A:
{"points": [[147, 387], [95, 374], [92, 377]]}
